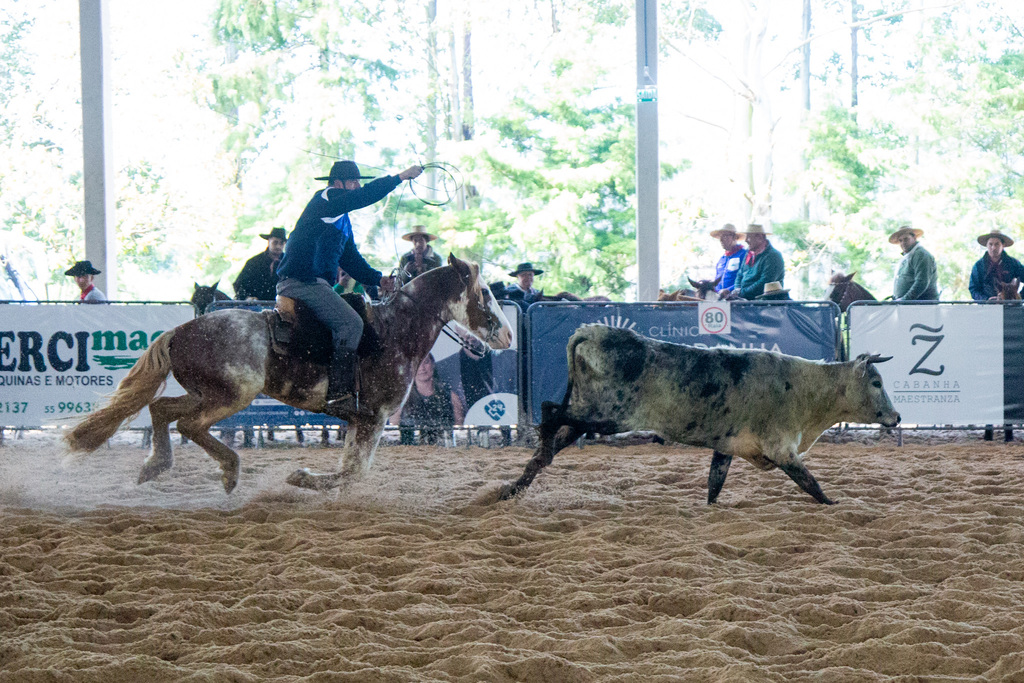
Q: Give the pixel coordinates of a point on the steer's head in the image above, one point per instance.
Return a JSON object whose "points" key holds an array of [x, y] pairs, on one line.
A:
{"points": [[866, 393]]}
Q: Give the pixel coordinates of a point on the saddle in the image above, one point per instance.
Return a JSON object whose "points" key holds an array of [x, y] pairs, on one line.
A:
{"points": [[296, 332]]}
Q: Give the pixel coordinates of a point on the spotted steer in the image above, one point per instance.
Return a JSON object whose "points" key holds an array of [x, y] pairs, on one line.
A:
{"points": [[765, 407]]}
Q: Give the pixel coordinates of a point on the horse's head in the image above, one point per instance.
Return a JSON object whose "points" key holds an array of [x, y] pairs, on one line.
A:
{"points": [[843, 291], [476, 309], [1008, 291], [704, 287], [203, 296]]}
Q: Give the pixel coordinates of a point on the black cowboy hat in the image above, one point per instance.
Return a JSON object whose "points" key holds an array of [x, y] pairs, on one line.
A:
{"points": [[279, 233], [344, 170], [82, 268], [524, 267]]}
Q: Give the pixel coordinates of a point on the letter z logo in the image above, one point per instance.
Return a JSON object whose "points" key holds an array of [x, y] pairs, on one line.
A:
{"points": [[935, 339]]}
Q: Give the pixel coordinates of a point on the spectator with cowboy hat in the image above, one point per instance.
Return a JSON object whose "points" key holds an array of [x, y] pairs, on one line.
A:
{"points": [[762, 264], [258, 279], [83, 273], [773, 291], [522, 291], [422, 257], [995, 267], [321, 242], [729, 264], [916, 275]]}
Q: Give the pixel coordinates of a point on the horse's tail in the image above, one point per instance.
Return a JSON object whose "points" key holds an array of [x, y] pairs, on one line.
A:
{"points": [[136, 391]]}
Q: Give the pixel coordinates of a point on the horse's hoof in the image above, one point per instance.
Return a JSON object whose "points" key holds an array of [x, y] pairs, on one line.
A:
{"points": [[299, 478], [230, 482], [151, 472]]}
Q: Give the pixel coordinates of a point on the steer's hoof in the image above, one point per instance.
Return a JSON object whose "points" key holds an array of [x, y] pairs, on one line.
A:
{"points": [[506, 492]]}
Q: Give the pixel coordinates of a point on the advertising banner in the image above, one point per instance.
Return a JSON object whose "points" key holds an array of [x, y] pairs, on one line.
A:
{"points": [[808, 330], [947, 366], [58, 361], [481, 384]]}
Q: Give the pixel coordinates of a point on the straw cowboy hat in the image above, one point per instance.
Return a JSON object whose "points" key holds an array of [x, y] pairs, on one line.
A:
{"points": [[1005, 239], [279, 233], [344, 170], [82, 268], [895, 237], [419, 230], [773, 290], [727, 228], [524, 267], [757, 229]]}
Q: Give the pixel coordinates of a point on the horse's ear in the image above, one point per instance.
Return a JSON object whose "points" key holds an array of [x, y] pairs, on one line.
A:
{"points": [[461, 267], [849, 278], [198, 286]]}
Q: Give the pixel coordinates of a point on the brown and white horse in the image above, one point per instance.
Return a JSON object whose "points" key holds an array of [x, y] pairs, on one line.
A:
{"points": [[224, 359]]}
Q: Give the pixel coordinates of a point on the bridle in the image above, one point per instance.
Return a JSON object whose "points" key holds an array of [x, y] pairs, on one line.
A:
{"points": [[493, 325]]}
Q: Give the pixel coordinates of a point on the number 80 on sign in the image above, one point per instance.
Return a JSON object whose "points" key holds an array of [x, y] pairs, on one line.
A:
{"points": [[715, 317]]}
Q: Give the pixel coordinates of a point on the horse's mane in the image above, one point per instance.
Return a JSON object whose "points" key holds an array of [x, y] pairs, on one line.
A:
{"points": [[393, 309]]}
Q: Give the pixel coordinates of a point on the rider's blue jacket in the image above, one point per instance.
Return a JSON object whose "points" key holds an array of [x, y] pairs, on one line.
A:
{"points": [[322, 239]]}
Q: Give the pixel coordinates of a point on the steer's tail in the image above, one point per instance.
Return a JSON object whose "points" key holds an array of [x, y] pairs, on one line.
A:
{"points": [[136, 391]]}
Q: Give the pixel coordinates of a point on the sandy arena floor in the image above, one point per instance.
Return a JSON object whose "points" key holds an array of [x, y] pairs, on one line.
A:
{"points": [[611, 568]]}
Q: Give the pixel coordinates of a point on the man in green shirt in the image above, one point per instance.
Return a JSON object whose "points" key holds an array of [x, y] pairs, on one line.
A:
{"points": [[762, 264], [916, 276]]}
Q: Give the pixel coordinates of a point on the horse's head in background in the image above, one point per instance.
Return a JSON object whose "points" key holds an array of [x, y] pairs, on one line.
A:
{"points": [[202, 297], [706, 288], [843, 291], [1008, 291]]}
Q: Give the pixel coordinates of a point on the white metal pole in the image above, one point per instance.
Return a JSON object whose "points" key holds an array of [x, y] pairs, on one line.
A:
{"points": [[647, 166], [100, 241]]}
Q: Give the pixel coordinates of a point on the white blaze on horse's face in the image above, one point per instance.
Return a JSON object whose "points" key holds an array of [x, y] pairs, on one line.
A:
{"points": [[478, 311]]}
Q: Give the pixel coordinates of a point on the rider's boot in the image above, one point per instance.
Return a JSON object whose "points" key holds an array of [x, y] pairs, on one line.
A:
{"points": [[341, 382]]}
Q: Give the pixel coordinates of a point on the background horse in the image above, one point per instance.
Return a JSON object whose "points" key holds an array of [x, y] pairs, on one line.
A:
{"points": [[843, 291], [202, 297], [703, 290], [225, 358], [1008, 291]]}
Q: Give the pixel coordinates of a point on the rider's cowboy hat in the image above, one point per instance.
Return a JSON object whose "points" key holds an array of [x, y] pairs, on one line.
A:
{"points": [[524, 267], [278, 233], [419, 230], [773, 290], [895, 237], [728, 228], [757, 229], [82, 268], [1005, 239], [344, 170]]}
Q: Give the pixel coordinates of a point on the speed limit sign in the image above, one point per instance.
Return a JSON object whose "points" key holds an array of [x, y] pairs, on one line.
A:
{"points": [[715, 317]]}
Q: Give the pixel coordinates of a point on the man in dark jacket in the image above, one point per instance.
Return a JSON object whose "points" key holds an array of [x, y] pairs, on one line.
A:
{"points": [[321, 242], [258, 279], [994, 267]]}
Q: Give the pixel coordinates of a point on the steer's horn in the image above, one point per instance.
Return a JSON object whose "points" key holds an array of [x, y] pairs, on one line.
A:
{"points": [[875, 358]]}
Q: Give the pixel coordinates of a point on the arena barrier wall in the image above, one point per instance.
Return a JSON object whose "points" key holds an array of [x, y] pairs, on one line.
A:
{"points": [[58, 360], [954, 363], [805, 329], [498, 404]]}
